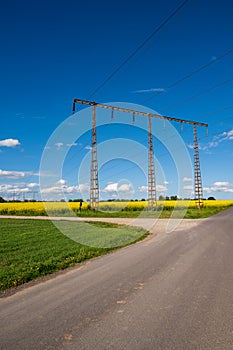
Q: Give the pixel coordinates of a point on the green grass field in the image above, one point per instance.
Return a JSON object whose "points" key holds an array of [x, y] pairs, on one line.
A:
{"points": [[165, 213], [33, 248]]}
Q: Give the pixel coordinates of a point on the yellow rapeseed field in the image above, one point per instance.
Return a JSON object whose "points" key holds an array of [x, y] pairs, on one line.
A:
{"points": [[40, 208]]}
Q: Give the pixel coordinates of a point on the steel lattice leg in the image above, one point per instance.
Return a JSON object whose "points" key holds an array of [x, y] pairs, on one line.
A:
{"points": [[198, 193], [151, 170], [94, 189]]}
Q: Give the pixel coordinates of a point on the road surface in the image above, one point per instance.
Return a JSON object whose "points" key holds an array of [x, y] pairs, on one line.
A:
{"points": [[173, 291]]}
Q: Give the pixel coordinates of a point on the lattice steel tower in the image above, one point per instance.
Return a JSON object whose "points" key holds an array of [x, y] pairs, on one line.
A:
{"points": [[198, 193], [94, 190], [151, 169]]}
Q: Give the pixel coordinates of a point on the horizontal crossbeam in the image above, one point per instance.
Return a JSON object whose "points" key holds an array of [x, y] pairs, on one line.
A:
{"points": [[146, 114]]}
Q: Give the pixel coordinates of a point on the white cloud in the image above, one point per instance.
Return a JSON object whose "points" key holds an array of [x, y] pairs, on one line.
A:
{"points": [[9, 143], [21, 190], [61, 188], [187, 179], [5, 187], [59, 145], [70, 189], [143, 188], [126, 189], [12, 174], [188, 187], [111, 187], [17, 190], [227, 135], [61, 182], [149, 90], [72, 144], [219, 186], [53, 189], [159, 188], [217, 139], [84, 187], [88, 147], [43, 174], [33, 185]]}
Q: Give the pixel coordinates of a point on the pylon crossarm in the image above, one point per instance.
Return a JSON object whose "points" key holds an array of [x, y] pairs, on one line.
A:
{"points": [[132, 111]]}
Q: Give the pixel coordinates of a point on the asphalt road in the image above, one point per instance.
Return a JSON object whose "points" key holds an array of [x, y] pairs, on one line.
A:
{"points": [[173, 291]]}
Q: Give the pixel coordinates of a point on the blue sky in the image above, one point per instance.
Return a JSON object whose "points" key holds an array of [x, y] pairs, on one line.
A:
{"points": [[53, 51]]}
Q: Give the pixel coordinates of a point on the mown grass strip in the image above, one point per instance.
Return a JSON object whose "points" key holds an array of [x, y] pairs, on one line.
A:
{"points": [[33, 248]]}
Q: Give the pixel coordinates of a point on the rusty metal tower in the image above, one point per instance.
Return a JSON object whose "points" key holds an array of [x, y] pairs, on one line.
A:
{"points": [[151, 169], [94, 189], [198, 192]]}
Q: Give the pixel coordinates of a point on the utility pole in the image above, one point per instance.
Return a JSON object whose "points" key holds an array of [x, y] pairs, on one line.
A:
{"points": [[198, 193], [151, 170]]}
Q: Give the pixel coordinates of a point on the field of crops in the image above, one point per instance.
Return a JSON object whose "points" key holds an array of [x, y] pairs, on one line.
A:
{"points": [[105, 208]]}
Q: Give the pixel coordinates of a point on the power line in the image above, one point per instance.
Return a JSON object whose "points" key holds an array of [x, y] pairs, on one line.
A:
{"points": [[219, 110], [224, 82], [189, 75], [158, 29]]}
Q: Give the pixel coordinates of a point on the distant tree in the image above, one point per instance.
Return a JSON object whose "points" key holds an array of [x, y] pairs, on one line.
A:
{"points": [[173, 198], [2, 200], [62, 200], [161, 198], [167, 198], [211, 199], [143, 200], [78, 200]]}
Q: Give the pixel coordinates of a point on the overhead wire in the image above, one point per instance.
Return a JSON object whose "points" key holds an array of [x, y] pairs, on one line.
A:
{"points": [[219, 110], [179, 103], [157, 30], [189, 75]]}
